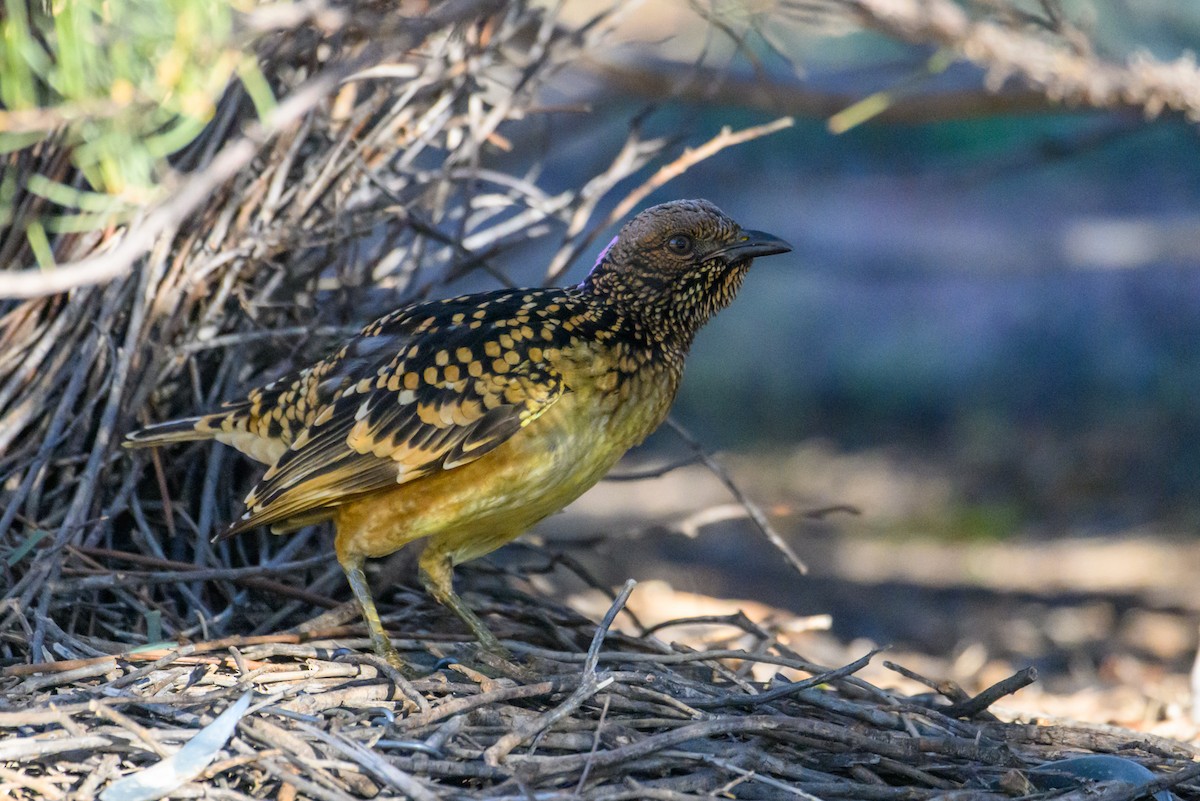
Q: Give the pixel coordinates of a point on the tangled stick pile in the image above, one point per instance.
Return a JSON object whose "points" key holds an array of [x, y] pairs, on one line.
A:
{"points": [[371, 189], [581, 715]]}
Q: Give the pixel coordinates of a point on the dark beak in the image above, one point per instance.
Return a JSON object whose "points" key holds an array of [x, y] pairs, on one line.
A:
{"points": [[753, 243]]}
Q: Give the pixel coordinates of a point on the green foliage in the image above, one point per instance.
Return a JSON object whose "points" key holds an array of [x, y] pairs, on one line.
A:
{"points": [[121, 84]]}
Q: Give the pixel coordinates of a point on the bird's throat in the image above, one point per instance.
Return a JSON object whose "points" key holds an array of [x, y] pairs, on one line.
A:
{"points": [[669, 313]]}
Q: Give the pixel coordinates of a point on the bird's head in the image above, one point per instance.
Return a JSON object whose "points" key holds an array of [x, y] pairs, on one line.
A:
{"points": [[676, 264]]}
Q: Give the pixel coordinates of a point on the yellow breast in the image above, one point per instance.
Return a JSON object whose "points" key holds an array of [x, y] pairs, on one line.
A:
{"points": [[472, 510]]}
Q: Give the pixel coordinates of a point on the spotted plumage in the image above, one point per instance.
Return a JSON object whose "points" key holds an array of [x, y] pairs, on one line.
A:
{"points": [[466, 420]]}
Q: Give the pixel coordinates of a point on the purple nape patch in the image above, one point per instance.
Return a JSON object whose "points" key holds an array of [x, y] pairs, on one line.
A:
{"points": [[603, 253]]}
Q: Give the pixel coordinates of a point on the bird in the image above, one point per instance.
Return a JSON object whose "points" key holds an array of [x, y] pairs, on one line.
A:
{"points": [[464, 421]]}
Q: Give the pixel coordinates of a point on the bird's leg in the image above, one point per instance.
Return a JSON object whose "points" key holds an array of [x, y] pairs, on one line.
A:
{"points": [[436, 569], [352, 564]]}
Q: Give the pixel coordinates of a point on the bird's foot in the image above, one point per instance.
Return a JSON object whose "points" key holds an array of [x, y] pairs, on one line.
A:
{"points": [[503, 663], [397, 662], [490, 644]]}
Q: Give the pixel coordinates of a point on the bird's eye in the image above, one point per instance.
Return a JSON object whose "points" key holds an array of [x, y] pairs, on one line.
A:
{"points": [[680, 244]]}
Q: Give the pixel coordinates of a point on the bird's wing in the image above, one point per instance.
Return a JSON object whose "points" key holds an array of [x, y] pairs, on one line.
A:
{"points": [[414, 394]]}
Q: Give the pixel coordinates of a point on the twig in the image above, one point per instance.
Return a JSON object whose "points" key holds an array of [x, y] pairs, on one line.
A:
{"points": [[589, 685], [791, 688], [973, 706], [652, 472], [587, 766], [1059, 72], [395, 676], [183, 651], [753, 511], [44, 788], [947, 688], [690, 158]]}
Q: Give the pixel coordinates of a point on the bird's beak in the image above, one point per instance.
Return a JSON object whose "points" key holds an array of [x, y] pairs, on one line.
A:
{"points": [[753, 243]]}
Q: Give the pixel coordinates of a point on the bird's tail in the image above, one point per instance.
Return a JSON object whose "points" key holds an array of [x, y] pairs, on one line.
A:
{"points": [[183, 430]]}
